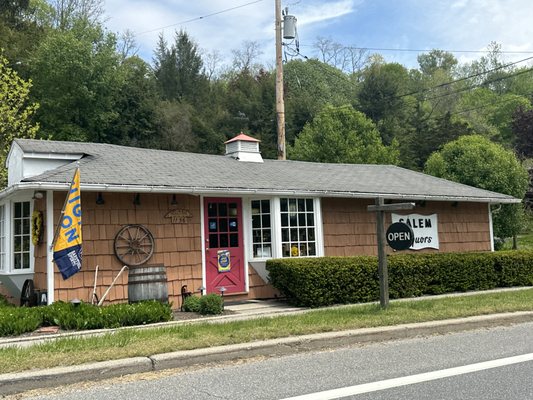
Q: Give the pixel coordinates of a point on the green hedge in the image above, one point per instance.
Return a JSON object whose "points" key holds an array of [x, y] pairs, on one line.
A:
{"points": [[19, 320], [314, 282]]}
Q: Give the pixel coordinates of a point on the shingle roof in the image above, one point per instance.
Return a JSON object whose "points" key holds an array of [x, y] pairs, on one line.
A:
{"points": [[113, 166]]}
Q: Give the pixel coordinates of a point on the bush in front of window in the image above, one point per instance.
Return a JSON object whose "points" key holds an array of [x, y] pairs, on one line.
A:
{"points": [[19, 320], [323, 281]]}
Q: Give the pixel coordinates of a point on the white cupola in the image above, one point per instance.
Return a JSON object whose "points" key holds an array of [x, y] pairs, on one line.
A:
{"points": [[243, 148]]}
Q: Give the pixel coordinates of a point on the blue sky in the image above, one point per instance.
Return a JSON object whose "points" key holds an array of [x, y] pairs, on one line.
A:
{"points": [[467, 25]]}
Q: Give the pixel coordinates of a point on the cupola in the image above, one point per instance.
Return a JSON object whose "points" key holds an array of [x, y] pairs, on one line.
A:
{"points": [[243, 148]]}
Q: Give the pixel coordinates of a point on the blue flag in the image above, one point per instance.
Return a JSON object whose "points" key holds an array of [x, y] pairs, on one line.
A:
{"points": [[67, 246]]}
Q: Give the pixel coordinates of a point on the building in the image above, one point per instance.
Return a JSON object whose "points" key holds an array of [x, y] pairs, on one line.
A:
{"points": [[213, 221]]}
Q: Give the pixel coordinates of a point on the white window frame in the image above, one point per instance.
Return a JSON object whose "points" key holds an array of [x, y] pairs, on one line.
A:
{"points": [[10, 230], [275, 222], [3, 238]]}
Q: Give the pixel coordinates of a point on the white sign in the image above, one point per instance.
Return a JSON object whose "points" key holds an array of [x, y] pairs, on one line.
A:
{"points": [[425, 229]]}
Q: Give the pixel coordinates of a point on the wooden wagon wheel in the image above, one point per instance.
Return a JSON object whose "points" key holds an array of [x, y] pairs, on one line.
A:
{"points": [[134, 245]]}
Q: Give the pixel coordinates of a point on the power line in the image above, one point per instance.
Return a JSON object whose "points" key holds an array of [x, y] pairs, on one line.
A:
{"points": [[465, 78], [427, 50], [199, 18]]}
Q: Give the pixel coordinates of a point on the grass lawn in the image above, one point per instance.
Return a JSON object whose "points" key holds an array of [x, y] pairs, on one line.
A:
{"points": [[524, 242], [146, 342]]}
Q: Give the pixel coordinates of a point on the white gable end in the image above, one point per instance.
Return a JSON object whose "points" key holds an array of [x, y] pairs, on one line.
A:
{"points": [[24, 165]]}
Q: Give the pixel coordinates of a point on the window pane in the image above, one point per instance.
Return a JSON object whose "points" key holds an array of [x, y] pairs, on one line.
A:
{"points": [[309, 204], [212, 225], [222, 210], [310, 219], [212, 209], [266, 236], [285, 235], [233, 227], [311, 248], [18, 261], [301, 205], [256, 207], [26, 226], [284, 220], [284, 205], [26, 209], [301, 219], [223, 240], [265, 206], [265, 220], [256, 221], [18, 210], [26, 261], [292, 205], [223, 225], [294, 234], [234, 240], [213, 241]]}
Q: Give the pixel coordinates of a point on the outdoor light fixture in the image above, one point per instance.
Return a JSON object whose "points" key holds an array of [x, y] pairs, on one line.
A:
{"points": [[173, 202], [222, 290], [38, 195], [100, 198], [137, 199], [201, 289], [75, 302]]}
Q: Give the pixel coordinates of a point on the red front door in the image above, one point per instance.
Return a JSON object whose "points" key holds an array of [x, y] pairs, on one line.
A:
{"points": [[224, 250]]}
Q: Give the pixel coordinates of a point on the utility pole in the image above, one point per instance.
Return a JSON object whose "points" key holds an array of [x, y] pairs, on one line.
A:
{"points": [[280, 104]]}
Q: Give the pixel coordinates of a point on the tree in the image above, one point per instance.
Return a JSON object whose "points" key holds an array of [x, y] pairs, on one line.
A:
{"points": [[309, 86], [178, 69], [15, 112], [76, 75], [382, 97], [476, 161], [522, 127], [436, 60], [342, 135]]}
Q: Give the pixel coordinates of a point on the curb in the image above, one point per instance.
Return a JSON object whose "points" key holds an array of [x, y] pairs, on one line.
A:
{"points": [[18, 382]]}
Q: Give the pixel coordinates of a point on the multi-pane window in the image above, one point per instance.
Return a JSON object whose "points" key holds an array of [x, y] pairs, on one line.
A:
{"points": [[298, 233], [3, 264], [21, 235], [261, 229], [223, 224]]}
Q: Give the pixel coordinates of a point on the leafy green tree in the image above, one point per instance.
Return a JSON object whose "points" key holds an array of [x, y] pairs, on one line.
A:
{"points": [[76, 79], [476, 161], [135, 106], [309, 86], [249, 103], [382, 97], [16, 112], [342, 135]]}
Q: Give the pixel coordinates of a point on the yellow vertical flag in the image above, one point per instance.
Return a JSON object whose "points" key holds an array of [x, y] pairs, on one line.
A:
{"points": [[67, 245]]}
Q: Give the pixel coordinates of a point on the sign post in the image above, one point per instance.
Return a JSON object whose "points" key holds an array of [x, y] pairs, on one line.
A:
{"points": [[380, 208]]}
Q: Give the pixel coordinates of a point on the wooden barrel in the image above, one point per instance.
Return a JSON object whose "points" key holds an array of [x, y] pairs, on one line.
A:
{"points": [[147, 282]]}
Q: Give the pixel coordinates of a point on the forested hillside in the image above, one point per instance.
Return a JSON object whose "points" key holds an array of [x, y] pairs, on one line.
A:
{"points": [[86, 84]]}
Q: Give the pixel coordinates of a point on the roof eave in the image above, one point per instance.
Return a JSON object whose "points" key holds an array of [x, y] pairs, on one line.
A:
{"points": [[199, 190]]}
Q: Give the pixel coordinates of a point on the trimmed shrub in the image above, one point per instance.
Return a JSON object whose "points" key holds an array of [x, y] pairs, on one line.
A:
{"points": [[211, 304], [191, 304], [322, 281], [18, 320]]}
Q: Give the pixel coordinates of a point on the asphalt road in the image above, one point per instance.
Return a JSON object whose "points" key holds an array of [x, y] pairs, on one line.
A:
{"points": [[317, 373]]}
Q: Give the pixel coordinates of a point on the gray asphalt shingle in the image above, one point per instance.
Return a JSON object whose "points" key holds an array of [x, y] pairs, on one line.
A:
{"points": [[106, 164]]}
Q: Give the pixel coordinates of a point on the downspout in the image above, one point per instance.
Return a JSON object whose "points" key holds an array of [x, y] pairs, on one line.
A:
{"points": [[49, 251]]}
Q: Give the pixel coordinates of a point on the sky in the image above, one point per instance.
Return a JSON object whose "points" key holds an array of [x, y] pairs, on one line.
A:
{"points": [[464, 27]]}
